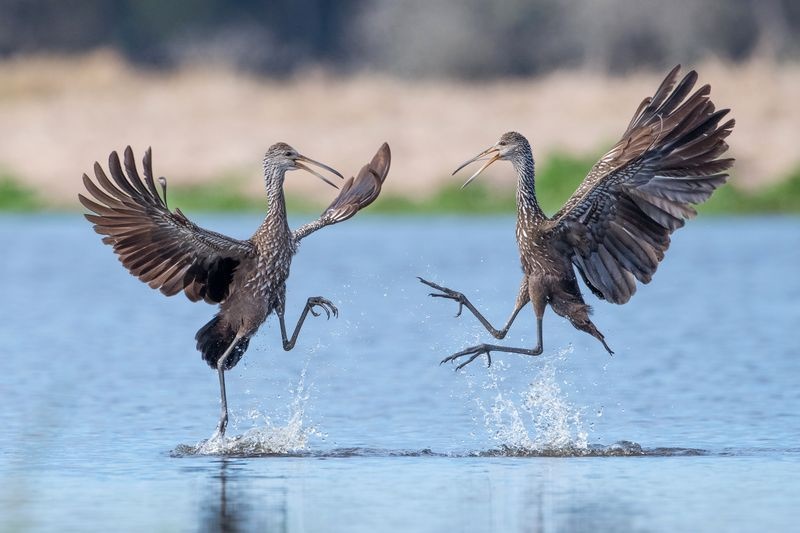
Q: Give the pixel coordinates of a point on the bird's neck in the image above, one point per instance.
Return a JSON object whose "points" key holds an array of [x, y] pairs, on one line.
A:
{"points": [[527, 204], [276, 224]]}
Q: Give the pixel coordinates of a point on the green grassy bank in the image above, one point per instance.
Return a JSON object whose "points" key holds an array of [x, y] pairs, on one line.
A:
{"points": [[556, 178]]}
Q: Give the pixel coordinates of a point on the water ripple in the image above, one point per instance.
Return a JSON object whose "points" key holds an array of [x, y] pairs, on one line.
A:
{"points": [[618, 449]]}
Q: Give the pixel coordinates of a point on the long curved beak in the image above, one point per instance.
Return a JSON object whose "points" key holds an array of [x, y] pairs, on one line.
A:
{"points": [[492, 154], [298, 164]]}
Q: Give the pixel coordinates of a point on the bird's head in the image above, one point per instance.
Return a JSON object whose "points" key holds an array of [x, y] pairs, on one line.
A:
{"points": [[509, 147], [283, 157]]}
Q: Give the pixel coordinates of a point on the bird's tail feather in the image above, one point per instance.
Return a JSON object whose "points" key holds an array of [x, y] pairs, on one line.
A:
{"points": [[215, 337]]}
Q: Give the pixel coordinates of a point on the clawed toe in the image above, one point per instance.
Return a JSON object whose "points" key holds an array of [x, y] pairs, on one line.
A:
{"points": [[448, 359], [431, 284], [473, 353], [447, 293], [324, 304], [450, 294]]}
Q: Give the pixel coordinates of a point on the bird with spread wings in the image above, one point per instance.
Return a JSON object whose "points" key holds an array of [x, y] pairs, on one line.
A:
{"points": [[615, 228], [246, 278]]}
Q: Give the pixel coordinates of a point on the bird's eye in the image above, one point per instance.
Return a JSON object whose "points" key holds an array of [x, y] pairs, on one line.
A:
{"points": [[502, 143], [287, 153]]}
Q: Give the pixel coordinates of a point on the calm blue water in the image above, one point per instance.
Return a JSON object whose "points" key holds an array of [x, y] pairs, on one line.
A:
{"points": [[105, 399]]}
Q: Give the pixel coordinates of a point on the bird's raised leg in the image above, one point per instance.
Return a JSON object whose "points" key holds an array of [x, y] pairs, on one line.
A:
{"points": [[522, 299], [223, 418], [315, 301]]}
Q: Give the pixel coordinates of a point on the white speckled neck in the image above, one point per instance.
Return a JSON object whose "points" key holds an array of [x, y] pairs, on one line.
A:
{"points": [[275, 225], [527, 204]]}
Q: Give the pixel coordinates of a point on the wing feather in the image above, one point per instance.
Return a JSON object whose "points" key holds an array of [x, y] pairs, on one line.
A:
{"points": [[163, 249], [646, 187], [355, 194]]}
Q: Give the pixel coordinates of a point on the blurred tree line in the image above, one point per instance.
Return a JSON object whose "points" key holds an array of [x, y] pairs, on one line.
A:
{"points": [[455, 38]]}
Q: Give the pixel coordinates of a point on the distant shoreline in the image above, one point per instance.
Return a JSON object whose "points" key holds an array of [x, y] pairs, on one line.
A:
{"points": [[210, 127], [558, 177]]}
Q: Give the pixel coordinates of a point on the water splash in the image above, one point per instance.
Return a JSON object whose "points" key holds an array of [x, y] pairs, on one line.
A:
{"points": [[267, 436], [540, 420], [621, 448]]}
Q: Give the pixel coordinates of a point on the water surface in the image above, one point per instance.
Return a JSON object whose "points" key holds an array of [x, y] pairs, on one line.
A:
{"points": [[694, 424]]}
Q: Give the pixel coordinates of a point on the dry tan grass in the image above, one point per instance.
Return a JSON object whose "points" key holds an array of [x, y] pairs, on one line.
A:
{"points": [[60, 114]]}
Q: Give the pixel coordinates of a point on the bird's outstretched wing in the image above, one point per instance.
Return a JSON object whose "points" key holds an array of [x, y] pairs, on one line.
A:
{"points": [[164, 249], [618, 223], [356, 194]]}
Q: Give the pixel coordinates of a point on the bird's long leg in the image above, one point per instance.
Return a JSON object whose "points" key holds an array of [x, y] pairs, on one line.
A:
{"points": [[315, 301], [223, 418], [522, 299], [473, 352]]}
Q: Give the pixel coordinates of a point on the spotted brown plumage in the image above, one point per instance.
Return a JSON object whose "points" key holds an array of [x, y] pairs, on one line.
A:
{"points": [[615, 229], [246, 278]]}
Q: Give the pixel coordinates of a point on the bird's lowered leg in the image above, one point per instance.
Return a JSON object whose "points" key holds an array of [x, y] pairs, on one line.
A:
{"points": [[473, 352], [315, 301], [223, 419], [522, 299]]}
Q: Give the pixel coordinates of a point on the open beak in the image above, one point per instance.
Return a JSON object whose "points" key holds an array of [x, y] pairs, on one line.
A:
{"points": [[492, 154], [298, 164]]}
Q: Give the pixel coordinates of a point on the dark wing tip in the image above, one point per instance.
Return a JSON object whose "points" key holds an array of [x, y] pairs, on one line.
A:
{"points": [[113, 159], [690, 78], [357, 193], [382, 161], [83, 200]]}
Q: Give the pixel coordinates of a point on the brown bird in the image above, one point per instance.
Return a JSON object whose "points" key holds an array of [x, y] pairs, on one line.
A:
{"points": [[616, 227], [247, 278]]}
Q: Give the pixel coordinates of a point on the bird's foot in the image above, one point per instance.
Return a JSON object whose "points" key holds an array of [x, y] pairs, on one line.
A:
{"points": [[444, 292], [324, 304], [473, 352], [219, 434]]}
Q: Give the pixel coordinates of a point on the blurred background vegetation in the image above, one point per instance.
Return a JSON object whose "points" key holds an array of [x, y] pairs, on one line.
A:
{"points": [[464, 38], [214, 82]]}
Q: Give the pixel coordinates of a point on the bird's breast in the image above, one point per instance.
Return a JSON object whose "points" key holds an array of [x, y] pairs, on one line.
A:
{"points": [[268, 278], [537, 255]]}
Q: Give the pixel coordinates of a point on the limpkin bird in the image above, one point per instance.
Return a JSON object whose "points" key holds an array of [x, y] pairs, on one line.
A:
{"points": [[247, 278], [616, 227]]}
